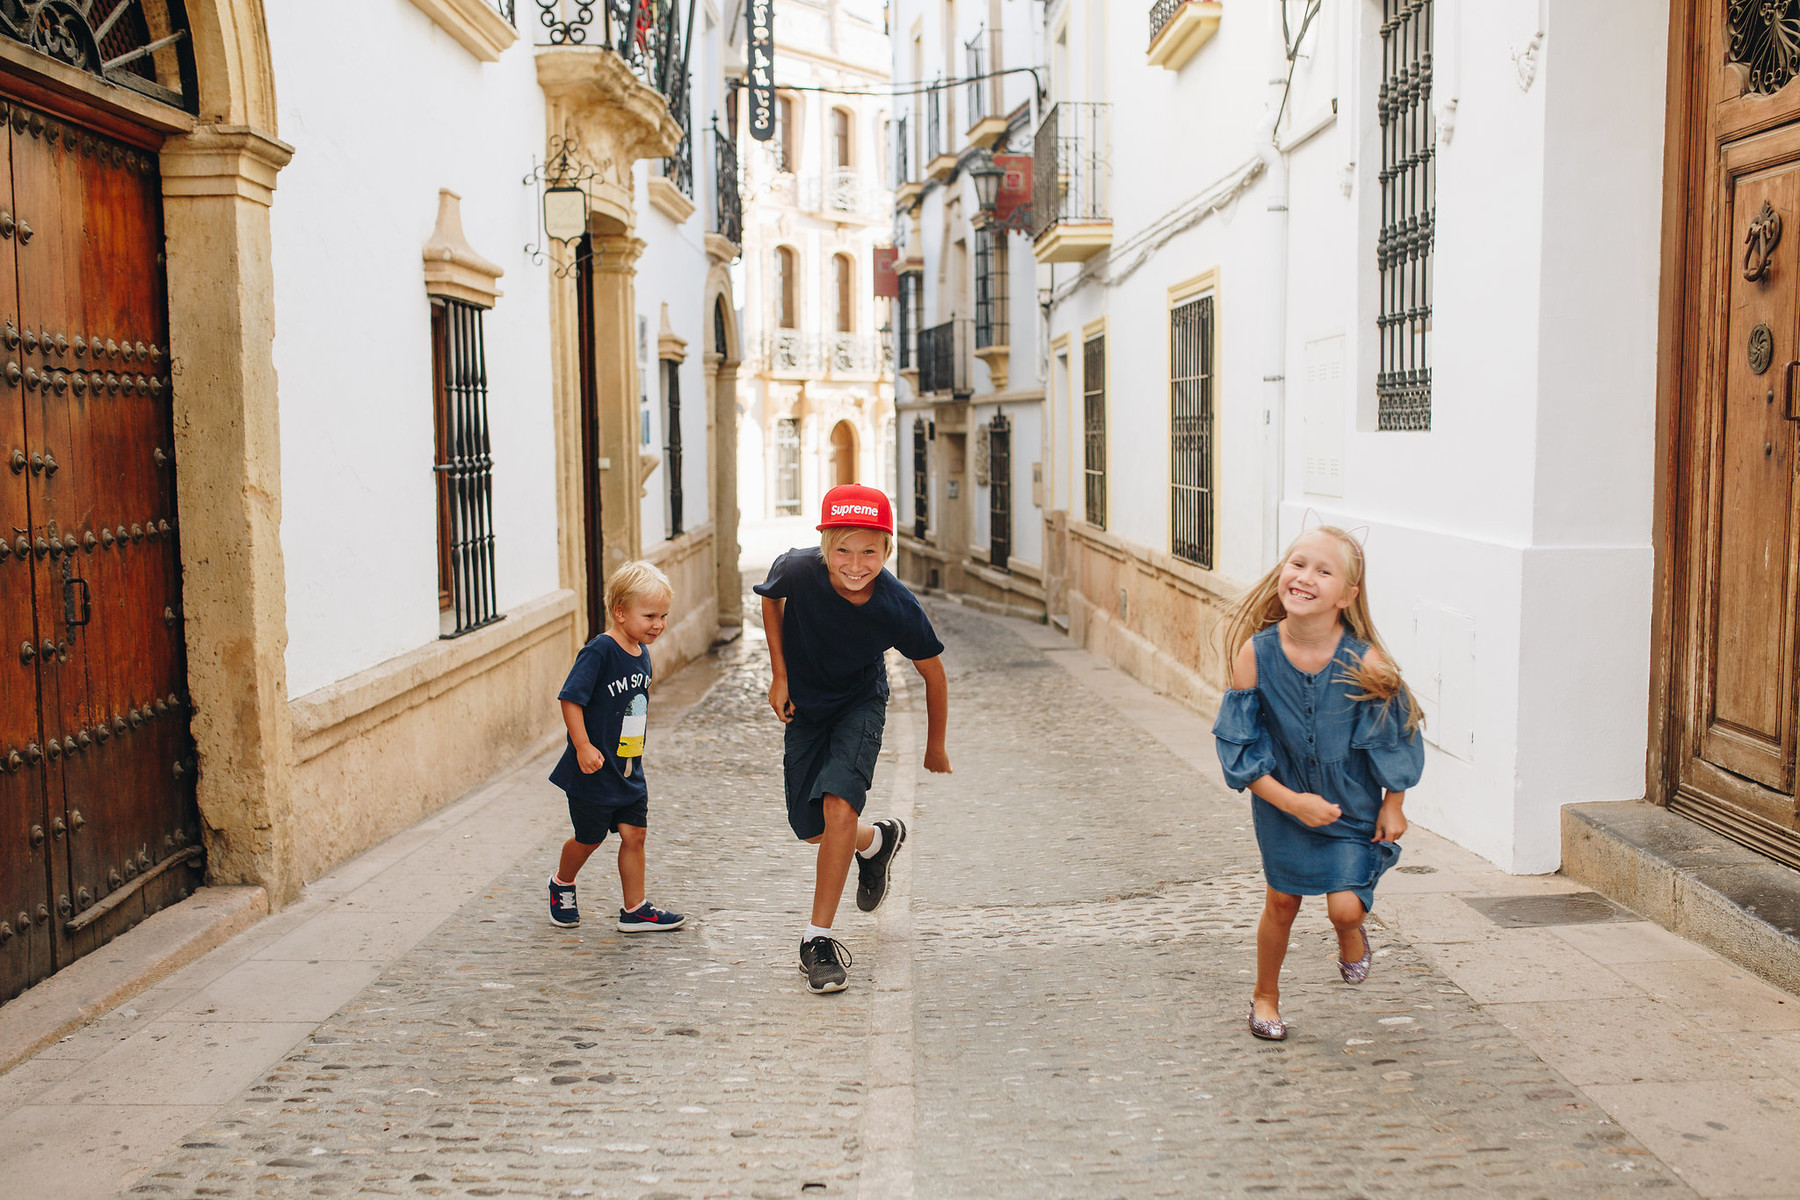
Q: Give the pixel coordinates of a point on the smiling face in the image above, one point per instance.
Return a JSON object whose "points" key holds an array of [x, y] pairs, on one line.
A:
{"points": [[1316, 579], [854, 560], [643, 617]]}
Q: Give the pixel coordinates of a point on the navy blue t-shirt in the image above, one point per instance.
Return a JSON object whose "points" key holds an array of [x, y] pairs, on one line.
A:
{"points": [[834, 648], [613, 689]]}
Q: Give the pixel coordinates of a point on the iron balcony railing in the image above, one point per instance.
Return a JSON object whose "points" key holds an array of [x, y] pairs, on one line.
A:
{"points": [[728, 204], [977, 86], [647, 34], [1070, 167], [678, 168], [934, 124], [944, 357], [1161, 13], [509, 11], [837, 192], [902, 153]]}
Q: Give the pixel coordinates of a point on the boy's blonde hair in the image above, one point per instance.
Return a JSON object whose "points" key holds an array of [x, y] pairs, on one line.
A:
{"points": [[634, 579], [1260, 607], [837, 535]]}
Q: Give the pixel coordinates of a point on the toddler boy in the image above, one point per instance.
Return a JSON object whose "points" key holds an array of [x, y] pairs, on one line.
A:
{"points": [[606, 707], [830, 614]]}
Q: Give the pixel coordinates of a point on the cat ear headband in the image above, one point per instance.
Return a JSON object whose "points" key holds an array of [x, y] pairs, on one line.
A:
{"points": [[1311, 520]]}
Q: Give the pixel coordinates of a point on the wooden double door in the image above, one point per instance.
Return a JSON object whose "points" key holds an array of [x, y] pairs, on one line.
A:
{"points": [[98, 823]]}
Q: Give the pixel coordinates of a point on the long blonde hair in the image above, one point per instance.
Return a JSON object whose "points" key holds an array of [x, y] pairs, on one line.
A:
{"points": [[1260, 607]]}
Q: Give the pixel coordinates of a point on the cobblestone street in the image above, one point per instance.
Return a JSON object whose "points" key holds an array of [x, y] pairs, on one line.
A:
{"points": [[1051, 1004]]}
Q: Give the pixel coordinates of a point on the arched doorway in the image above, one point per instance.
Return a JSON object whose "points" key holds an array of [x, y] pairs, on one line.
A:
{"points": [[843, 453]]}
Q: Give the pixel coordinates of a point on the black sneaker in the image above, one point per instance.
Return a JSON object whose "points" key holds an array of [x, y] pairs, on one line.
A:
{"points": [[872, 872], [563, 912], [819, 960]]}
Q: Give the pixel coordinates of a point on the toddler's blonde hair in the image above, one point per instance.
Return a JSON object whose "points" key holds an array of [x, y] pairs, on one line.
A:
{"points": [[634, 579], [837, 535], [1260, 607]]}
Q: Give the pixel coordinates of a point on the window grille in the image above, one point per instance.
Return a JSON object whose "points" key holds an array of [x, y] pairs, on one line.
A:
{"points": [[787, 467], [1408, 214], [999, 491], [991, 260], [782, 144], [905, 330], [1191, 432], [464, 467], [921, 501], [671, 373], [1093, 421]]}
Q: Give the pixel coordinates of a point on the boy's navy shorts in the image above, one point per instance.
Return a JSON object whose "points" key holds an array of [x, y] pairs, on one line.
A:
{"points": [[593, 821], [831, 758]]}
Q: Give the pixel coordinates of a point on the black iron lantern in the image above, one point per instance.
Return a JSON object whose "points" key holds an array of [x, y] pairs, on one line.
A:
{"points": [[987, 175]]}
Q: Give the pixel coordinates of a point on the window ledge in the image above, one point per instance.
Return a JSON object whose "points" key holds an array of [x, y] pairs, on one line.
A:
{"points": [[667, 199], [720, 248], [1072, 242], [987, 131], [476, 25]]}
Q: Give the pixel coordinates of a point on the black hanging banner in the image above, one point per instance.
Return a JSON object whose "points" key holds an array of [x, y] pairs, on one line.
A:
{"points": [[762, 69]]}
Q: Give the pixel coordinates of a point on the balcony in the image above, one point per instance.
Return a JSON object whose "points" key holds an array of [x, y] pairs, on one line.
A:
{"points": [[841, 195], [944, 358], [906, 188], [985, 125], [854, 355], [1180, 27], [1071, 174], [651, 48], [728, 204], [790, 352], [940, 161]]}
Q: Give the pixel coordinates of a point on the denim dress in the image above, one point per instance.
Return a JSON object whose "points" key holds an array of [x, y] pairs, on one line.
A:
{"points": [[1308, 733]]}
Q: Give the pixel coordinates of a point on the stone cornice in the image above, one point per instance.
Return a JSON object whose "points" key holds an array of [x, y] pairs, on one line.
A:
{"points": [[224, 160], [452, 268], [475, 24]]}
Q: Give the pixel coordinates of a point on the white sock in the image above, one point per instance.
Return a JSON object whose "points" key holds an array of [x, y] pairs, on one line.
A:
{"points": [[638, 905], [815, 931], [874, 846]]}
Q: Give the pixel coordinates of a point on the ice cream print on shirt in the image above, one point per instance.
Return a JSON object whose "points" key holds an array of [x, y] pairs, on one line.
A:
{"points": [[631, 730]]}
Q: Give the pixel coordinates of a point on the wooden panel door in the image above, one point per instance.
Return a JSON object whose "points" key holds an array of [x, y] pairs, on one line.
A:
{"points": [[84, 340]]}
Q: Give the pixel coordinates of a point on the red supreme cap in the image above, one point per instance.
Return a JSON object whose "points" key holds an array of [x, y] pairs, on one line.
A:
{"points": [[853, 506]]}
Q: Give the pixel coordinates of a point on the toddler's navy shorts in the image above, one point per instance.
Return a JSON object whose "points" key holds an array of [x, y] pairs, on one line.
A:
{"points": [[831, 758], [594, 821]]}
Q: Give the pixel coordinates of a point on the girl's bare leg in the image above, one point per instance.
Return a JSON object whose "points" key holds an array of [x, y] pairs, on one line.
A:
{"points": [[1279, 911], [1347, 912]]}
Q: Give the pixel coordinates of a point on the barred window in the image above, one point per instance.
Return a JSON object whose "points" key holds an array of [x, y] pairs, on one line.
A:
{"points": [[990, 287], [906, 330], [844, 278], [1408, 214], [921, 485], [787, 287], [1093, 423], [787, 467], [464, 467], [999, 433], [1191, 432], [671, 374]]}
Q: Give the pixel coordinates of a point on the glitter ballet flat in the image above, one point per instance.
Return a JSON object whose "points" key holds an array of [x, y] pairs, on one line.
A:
{"points": [[1268, 1031], [1356, 972]]}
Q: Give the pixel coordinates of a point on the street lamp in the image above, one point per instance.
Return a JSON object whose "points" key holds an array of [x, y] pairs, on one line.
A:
{"points": [[987, 174]]}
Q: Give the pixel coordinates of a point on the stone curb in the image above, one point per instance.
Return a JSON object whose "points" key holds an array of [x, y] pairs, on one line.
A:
{"points": [[101, 981], [1689, 880]]}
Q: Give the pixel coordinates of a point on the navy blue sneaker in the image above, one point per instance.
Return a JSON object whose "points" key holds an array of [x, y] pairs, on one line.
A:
{"points": [[563, 912], [648, 918]]}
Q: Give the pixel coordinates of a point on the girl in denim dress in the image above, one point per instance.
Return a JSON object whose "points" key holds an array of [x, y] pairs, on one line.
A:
{"points": [[1324, 732]]}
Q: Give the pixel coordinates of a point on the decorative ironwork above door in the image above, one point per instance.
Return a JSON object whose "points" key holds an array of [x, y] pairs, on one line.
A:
{"points": [[1765, 37], [143, 45]]}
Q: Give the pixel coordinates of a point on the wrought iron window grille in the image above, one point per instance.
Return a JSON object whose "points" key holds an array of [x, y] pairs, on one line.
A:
{"points": [[991, 268], [563, 170], [114, 40], [934, 123], [944, 358], [465, 465], [1093, 424], [1403, 249], [671, 372], [976, 89], [902, 153], [1191, 432], [999, 434], [905, 328], [921, 481], [728, 203]]}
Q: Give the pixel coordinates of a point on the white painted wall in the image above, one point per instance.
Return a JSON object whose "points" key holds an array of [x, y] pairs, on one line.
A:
{"points": [[403, 111]]}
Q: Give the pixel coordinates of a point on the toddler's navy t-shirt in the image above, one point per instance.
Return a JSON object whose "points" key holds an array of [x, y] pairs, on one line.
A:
{"points": [[613, 689], [834, 648]]}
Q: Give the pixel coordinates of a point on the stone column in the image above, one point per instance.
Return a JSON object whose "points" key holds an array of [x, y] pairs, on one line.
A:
{"points": [[725, 494], [616, 397], [218, 183]]}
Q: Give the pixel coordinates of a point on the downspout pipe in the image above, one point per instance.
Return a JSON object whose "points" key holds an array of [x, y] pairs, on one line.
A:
{"points": [[1274, 316]]}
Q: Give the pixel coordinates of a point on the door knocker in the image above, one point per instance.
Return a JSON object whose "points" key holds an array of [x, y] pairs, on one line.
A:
{"points": [[1760, 242]]}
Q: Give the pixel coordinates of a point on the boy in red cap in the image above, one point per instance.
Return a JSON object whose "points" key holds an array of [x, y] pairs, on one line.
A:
{"points": [[830, 615]]}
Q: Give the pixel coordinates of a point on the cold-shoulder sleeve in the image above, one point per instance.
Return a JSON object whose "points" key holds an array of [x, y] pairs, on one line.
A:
{"points": [[1246, 751], [1396, 756]]}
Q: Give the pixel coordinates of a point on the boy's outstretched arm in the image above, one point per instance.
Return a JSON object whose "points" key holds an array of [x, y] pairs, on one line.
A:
{"points": [[778, 687], [937, 713]]}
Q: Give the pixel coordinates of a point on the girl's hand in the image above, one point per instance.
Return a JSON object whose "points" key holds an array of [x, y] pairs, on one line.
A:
{"points": [[778, 700], [1390, 823], [589, 758], [936, 761], [1314, 810]]}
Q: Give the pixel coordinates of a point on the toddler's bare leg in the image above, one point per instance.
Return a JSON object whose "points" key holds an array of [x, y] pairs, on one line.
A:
{"points": [[574, 856], [1347, 912], [1279, 911], [631, 864]]}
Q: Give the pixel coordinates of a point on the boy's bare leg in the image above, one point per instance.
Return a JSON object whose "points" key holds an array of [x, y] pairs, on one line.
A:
{"points": [[844, 835], [574, 856], [631, 864], [1279, 911]]}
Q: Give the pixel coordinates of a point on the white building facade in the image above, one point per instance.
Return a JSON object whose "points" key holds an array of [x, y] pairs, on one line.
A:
{"points": [[817, 405]]}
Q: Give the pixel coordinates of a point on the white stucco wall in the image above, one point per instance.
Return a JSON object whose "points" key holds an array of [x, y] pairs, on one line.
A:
{"points": [[403, 111]]}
